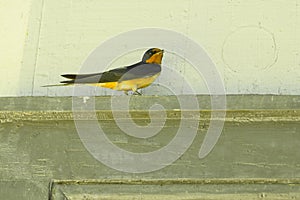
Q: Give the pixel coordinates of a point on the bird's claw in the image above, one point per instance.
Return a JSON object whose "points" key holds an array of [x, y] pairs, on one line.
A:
{"points": [[137, 93]]}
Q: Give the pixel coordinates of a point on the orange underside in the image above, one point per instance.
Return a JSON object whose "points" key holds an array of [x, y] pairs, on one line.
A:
{"points": [[127, 85], [110, 85]]}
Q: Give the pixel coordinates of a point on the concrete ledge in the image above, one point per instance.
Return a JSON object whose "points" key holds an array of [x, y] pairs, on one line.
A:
{"points": [[103, 115], [245, 108], [183, 189], [255, 157], [234, 102]]}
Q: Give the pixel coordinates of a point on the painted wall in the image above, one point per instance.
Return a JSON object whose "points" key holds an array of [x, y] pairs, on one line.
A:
{"points": [[13, 20], [255, 45]]}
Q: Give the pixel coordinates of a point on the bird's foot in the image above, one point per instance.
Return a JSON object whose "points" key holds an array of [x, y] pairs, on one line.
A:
{"points": [[137, 93]]}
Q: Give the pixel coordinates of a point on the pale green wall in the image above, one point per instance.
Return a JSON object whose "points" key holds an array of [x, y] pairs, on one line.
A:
{"points": [[255, 44], [13, 20]]}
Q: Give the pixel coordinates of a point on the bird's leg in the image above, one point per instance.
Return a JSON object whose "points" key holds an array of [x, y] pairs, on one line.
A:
{"points": [[137, 93]]}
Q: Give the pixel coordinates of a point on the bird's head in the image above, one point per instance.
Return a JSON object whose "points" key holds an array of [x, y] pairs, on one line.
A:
{"points": [[153, 55]]}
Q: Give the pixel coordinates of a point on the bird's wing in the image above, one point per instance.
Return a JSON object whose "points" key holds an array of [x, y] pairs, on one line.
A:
{"points": [[138, 70]]}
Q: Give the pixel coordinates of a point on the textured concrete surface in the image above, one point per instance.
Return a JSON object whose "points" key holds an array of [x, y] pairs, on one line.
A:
{"points": [[256, 156]]}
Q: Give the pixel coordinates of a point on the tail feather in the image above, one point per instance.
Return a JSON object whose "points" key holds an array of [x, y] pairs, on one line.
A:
{"points": [[55, 85], [80, 76], [69, 76], [68, 82]]}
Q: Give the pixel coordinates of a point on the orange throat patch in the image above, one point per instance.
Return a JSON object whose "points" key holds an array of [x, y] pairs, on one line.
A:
{"points": [[156, 58]]}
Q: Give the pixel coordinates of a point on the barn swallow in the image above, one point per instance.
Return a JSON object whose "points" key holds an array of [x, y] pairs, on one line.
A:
{"points": [[129, 78]]}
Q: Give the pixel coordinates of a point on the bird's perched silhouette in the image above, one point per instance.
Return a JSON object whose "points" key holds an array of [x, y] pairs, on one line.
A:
{"points": [[129, 78]]}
